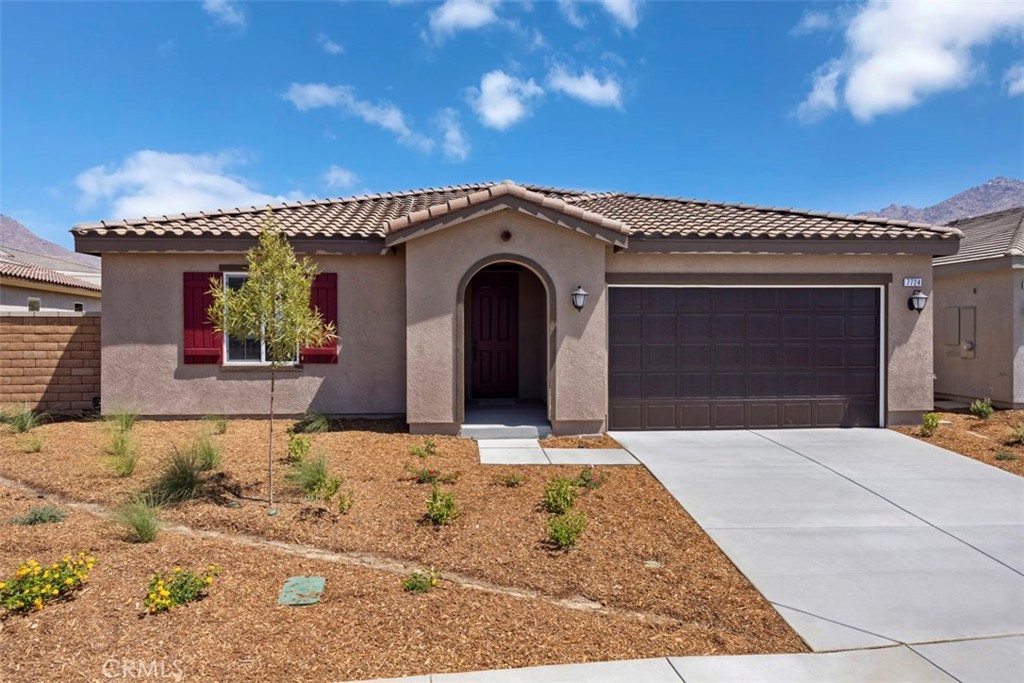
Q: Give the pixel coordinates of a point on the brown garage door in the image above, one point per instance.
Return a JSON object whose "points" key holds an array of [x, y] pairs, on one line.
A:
{"points": [[744, 357]]}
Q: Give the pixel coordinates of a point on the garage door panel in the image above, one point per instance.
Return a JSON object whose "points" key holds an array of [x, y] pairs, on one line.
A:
{"points": [[699, 358]]}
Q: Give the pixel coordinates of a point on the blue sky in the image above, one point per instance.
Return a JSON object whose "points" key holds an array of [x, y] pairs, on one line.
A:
{"points": [[112, 110]]}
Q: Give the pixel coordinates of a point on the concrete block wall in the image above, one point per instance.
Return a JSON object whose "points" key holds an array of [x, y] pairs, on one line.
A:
{"points": [[50, 361]]}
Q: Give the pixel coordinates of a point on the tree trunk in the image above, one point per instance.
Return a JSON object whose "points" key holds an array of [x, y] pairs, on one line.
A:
{"points": [[270, 453]]}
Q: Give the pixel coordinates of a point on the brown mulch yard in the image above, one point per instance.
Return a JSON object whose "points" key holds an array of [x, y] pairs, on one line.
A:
{"points": [[657, 584], [603, 441], [989, 441]]}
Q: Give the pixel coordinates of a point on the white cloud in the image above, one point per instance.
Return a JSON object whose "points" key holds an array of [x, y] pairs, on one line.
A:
{"points": [[306, 96], [571, 11], [625, 12], [154, 183], [1013, 79], [165, 49], [898, 53], [328, 45], [461, 15], [586, 87], [455, 142], [812, 21], [340, 178], [225, 12], [503, 100], [823, 99]]}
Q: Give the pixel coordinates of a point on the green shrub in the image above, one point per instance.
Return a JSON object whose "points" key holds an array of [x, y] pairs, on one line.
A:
{"points": [[123, 420], [298, 447], [421, 581], [180, 480], [345, 502], [982, 408], [442, 508], [313, 476], [34, 585], [564, 529], [312, 423], [431, 476], [429, 447], [560, 495], [139, 517], [1003, 455], [590, 478], [123, 454], [206, 452], [178, 587], [510, 481], [23, 419], [44, 514], [1017, 434], [218, 423], [33, 443], [929, 423]]}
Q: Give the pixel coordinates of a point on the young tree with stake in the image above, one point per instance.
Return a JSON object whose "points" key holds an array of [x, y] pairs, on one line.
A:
{"points": [[272, 306]]}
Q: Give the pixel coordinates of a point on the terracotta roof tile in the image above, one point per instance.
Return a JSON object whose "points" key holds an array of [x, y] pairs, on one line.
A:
{"points": [[992, 235], [20, 270]]}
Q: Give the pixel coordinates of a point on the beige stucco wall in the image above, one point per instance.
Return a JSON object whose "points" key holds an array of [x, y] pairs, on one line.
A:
{"points": [[991, 372], [909, 375], [1018, 337], [15, 299], [436, 264], [142, 366]]}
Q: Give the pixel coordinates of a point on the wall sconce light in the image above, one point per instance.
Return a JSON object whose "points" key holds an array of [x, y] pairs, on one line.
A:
{"points": [[917, 301], [579, 298]]}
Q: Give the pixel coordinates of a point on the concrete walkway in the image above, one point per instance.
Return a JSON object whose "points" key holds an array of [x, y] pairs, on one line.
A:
{"points": [[859, 537], [530, 452]]}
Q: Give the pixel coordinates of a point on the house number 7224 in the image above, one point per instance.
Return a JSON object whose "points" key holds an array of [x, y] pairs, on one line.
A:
{"points": [[911, 282]]}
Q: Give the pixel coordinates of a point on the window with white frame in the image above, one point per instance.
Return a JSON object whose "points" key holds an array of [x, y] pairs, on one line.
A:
{"points": [[79, 307], [250, 350]]}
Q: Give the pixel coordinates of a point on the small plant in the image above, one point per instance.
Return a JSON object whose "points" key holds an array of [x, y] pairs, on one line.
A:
{"points": [[33, 443], [312, 475], [178, 587], [565, 529], [312, 423], [346, 500], [1004, 456], [929, 423], [181, 480], [1017, 434], [590, 478], [510, 481], [123, 455], [23, 419], [206, 452], [123, 420], [218, 423], [429, 447], [44, 514], [298, 447], [431, 476], [442, 508], [140, 518], [560, 495], [421, 581], [34, 585], [982, 408]]}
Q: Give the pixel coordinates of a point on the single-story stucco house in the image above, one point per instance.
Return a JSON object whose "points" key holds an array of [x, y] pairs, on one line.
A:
{"points": [[979, 306], [29, 287], [695, 314]]}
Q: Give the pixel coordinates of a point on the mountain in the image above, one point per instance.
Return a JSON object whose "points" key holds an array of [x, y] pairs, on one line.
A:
{"points": [[15, 237], [995, 195]]}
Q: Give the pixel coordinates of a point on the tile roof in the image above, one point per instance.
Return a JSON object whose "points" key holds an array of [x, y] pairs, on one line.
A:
{"points": [[20, 270], [377, 215], [992, 235]]}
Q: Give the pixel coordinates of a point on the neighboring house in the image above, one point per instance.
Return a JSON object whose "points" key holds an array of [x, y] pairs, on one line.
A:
{"points": [[979, 306], [696, 314], [28, 287]]}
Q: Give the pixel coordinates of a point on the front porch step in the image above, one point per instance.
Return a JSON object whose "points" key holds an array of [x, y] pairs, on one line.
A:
{"points": [[503, 431], [515, 421]]}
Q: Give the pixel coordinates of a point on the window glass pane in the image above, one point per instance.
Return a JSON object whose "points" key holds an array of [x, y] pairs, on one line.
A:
{"points": [[242, 349], [33, 304]]}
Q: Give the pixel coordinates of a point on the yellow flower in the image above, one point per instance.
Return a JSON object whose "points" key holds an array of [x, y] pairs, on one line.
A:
{"points": [[209, 580], [38, 603], [2, 584], [56, 592], [69, 581], [177, 570]]}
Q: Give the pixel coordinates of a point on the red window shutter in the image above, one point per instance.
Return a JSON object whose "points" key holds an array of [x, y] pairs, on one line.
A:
{"points": [[203, 346], [323, 296]]}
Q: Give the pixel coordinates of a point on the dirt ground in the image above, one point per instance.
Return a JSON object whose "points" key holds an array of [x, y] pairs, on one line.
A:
{"points": [[603, 441], [979, 439], [658, 585]]}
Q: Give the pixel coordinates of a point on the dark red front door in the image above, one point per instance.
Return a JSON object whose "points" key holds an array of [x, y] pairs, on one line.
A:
{"points": [[495, 338]]}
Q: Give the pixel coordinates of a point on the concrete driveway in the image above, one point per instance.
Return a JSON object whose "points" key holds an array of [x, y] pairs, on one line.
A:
{"points": [[859, 537]]}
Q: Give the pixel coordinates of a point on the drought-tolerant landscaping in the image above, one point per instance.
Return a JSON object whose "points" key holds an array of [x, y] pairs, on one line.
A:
{"points": [[993, 437], [622, 571]]}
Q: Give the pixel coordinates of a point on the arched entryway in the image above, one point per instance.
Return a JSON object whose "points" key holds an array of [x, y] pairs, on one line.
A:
{"points": [[505, 330]]}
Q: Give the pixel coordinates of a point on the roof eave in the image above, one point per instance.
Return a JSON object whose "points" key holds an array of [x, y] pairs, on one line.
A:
{"points": [[938, 246], [192, 244]]}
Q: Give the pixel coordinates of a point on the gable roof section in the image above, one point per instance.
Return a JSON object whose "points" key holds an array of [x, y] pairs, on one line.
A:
{"points": [[30, 273], [380, 217], [990, 236]]}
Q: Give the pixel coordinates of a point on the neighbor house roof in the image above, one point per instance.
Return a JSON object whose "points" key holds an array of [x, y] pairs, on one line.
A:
{"points": [[17, 269], [376, 216], [992, 235]]}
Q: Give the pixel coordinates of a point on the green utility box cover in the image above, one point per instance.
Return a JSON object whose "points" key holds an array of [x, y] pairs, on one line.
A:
{"points": [[301, 590]]}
